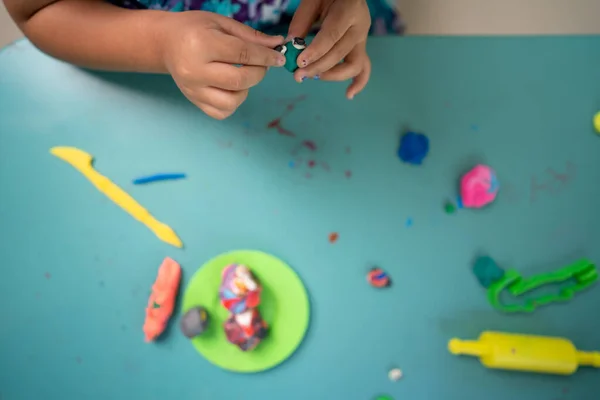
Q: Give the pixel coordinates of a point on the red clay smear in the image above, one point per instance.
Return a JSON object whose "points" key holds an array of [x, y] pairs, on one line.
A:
{"points": [[333, 237], [276, 123], [47, 275], [311, 163], [309, 144], [348, 174]]}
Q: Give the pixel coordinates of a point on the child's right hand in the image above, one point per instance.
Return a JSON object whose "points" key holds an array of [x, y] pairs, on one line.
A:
{"points": [[201, 51]]}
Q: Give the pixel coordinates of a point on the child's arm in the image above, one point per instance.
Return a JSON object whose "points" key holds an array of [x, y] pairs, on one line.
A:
{"points": [[199, 49], [93, 33]]}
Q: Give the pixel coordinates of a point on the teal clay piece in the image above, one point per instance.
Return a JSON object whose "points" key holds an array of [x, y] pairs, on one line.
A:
{"points": [[582, 273], [487, 271], [291, 50]]}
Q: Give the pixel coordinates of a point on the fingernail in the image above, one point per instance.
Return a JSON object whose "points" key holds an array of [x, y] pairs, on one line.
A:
{"points": [[280, 60], [316, 77]]}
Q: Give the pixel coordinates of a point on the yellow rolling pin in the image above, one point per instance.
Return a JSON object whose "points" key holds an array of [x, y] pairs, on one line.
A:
{"points": [[539, 354]]}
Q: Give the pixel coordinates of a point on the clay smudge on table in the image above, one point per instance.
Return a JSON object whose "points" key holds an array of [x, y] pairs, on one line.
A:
{"points": [[348, 150], [408, 222], [78, 360], [325, 166], [311, 163], [47, 275], [308, 175], [277, 122], [348, 174], [309, 144], [306, 144], [552, 181]]}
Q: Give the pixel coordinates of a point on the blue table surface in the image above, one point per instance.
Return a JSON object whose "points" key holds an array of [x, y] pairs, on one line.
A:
{"points": [[76, 270]]}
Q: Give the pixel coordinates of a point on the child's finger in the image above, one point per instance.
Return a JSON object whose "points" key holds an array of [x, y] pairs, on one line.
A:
{"points": [[229, 77], [249, 34], [304, 17], [359, 83], [333, 29], [342, 72], [212, 111], [337, 53], [223, 100], [232, 50]]}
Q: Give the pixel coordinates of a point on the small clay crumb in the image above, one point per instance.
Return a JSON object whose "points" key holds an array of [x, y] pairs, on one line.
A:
{"points": [[449, 208], [395, 374], [333, 237]]}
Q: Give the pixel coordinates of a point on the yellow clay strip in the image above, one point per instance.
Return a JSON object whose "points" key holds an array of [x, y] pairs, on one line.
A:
{"points": [[82, 162]]}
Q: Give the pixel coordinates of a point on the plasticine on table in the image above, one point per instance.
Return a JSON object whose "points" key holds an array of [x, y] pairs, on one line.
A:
{"points": [[82, 162], [162, 299]]}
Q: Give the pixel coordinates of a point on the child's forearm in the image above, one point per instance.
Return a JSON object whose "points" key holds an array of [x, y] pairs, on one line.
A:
{"points": [[93, 33]]}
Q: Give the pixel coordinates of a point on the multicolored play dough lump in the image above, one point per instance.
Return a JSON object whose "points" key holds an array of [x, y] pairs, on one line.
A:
{"points": [[240, 295], [378, 278], [240, 290], [478, 187]]}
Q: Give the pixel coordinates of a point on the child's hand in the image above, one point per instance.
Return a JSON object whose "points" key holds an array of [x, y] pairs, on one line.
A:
{"points": [[200, 52], [342, 36]]}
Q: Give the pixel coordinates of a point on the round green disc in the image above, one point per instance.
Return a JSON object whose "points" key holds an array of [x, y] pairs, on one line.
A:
{"points": [[284, 306]]}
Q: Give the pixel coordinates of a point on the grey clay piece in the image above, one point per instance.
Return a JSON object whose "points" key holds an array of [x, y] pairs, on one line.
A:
{"points": [[194, 322]]}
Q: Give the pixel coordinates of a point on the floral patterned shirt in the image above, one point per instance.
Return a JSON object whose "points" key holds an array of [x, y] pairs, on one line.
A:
{"points": [[271, 16]]}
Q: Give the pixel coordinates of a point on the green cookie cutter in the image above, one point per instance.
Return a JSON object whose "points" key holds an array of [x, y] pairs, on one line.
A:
{"points": [[583, 272]]}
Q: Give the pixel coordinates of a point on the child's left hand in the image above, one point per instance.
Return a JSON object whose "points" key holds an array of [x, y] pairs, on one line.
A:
{"points": [[342, 37]]}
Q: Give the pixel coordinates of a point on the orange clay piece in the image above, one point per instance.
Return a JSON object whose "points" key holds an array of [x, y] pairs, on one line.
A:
{"points": [[162, 299], [333, 237]]}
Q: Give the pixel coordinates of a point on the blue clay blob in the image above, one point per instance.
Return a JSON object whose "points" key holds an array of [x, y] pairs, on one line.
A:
{"points": [[413, 148], [487, 271]]}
